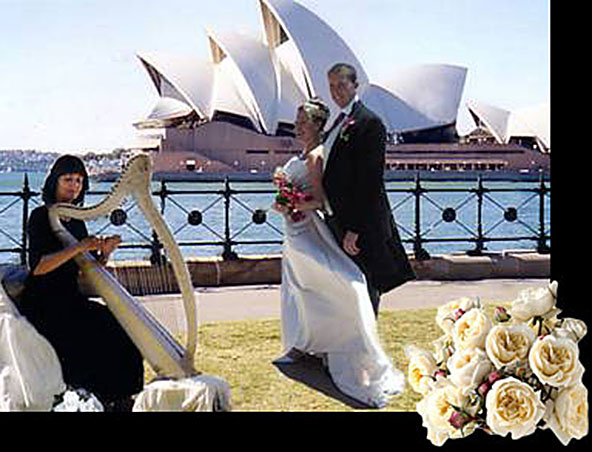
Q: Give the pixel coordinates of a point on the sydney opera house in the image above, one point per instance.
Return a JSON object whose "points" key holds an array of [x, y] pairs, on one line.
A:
{"points": [[234, 109]]}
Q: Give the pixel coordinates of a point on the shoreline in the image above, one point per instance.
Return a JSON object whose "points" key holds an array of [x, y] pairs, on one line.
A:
{"points": [[389, 176]]}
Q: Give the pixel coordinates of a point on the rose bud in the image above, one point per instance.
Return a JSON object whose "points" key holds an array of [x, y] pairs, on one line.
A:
{"points": [[458, 314], [493, 377], [501, 314], [483, 389], [439, 372], [459, 419]]}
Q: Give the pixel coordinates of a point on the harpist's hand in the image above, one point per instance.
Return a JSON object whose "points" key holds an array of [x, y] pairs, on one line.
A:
{"points": [[110, 243], [90, 243]]}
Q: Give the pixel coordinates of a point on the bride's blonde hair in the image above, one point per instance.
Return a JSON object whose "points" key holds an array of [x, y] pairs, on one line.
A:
{"points": [[316, 111]]}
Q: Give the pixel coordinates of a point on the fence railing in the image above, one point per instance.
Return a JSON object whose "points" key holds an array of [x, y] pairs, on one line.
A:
{"points": [[229, 219]]}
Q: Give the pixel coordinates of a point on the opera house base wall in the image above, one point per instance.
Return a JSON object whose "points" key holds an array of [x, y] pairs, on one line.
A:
{"points": [[222, 147], [141, 278]]}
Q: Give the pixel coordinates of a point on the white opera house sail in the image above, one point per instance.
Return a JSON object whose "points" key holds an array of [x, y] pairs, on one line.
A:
{"points": [[233, 110]]}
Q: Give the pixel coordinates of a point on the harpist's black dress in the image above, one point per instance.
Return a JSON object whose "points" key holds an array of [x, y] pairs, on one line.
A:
{"points": [[94, 351]]}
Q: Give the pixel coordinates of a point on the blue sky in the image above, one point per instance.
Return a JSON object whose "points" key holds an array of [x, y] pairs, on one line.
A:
{"points": [[70, 80]]}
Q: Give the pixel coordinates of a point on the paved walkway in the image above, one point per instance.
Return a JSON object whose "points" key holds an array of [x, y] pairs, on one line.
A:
{"points": [[262, 302]]}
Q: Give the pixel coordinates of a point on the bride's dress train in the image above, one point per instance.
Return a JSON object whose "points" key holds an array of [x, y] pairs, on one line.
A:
{"points": [[326, 309]]}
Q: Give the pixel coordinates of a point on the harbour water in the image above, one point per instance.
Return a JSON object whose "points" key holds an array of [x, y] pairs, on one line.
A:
{"points": [[448, 216]]}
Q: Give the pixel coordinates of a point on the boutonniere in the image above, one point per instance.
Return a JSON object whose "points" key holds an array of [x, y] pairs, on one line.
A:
{"points": [[349, 121]]}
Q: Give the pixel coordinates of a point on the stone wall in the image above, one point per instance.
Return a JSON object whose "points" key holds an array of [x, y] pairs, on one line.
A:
{"points": [[140, 278]]}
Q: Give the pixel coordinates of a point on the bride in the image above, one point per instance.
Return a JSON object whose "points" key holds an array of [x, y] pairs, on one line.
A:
{"points": [[325, 305]]}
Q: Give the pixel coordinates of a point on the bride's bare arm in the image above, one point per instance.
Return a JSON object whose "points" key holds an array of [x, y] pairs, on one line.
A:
{"points": [[314, 164]]}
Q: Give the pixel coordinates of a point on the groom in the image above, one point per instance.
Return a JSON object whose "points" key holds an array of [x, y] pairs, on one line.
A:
{"points": [[358, 210]]}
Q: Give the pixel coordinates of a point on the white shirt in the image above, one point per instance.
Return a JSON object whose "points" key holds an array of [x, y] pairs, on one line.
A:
{"points": [[328, 144]]}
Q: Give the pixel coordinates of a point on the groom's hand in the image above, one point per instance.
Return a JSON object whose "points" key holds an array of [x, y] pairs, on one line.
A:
{"points": [[350, 243]]}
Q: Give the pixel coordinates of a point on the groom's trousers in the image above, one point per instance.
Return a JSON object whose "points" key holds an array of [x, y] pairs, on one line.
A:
{"points": [[339, 233]]}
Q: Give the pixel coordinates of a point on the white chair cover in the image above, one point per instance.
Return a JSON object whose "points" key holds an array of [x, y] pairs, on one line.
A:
{"points": [[30, 372], [199, 393]]}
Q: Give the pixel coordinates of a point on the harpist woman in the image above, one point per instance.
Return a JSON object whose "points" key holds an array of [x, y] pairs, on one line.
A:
{"points": [[94, 351]]}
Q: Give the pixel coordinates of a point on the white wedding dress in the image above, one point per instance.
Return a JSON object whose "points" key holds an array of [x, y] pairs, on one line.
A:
{"points": [[326, 309]]}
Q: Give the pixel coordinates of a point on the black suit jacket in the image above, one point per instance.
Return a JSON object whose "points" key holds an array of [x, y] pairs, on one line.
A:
{"points": [[354, 186]]}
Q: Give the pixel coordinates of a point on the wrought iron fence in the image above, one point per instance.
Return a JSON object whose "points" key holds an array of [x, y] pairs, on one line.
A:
{"points": [[227, 218]]}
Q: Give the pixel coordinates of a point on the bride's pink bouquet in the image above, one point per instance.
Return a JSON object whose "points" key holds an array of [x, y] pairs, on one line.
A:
{"points": [[289, 195]]}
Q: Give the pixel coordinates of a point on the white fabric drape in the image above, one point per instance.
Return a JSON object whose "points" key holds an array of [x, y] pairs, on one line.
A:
{"points": [[199, 393], [30, 372]]}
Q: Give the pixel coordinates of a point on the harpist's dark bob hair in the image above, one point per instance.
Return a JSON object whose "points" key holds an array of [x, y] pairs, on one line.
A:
{"points": [[66, 164]]}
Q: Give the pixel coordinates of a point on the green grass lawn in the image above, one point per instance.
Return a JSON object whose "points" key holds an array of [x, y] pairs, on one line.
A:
{"points": [[241, 353]]}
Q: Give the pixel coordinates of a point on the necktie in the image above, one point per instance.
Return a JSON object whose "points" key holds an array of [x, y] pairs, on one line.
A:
{"points": [[335, 123]]}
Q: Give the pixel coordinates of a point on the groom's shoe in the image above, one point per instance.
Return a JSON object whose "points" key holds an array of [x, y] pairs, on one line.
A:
{"points": [[293, 356]]}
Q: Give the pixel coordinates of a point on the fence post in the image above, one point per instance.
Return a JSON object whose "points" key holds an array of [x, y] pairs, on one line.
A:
{"points": [[420, 253], [542, 247], [26, 196], [157, 257], [227, 254], [479, 244]]}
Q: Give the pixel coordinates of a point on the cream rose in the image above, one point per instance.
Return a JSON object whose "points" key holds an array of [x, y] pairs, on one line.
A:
{"points": [[445, 317], [471, 330], [436, 409], [568, 413], [533, 302], [513, 407], [421, 369], [553, 286], [508, 343], [555, 361], [569, 328], [468, 367]]}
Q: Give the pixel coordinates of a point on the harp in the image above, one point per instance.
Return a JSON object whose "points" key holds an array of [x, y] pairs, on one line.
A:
{"points": [[162, 351]]}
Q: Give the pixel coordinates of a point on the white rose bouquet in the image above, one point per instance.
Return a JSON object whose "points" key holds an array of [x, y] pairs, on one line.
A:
{"points": [[514, 373]]}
